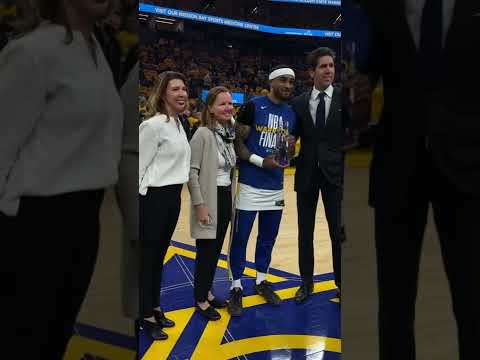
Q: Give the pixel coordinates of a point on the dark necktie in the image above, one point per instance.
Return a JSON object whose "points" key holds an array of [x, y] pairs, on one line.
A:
{"points": [[431, 41], [320, 115]]}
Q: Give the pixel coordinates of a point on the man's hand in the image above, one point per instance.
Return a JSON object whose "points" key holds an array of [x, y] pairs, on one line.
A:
{"points": [[241, 134], [270, 163]]}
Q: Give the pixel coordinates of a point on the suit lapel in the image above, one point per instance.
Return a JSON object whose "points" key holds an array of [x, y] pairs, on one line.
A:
{"points": [[306, 106], [454, 12], [404, 24], [333, 106]]}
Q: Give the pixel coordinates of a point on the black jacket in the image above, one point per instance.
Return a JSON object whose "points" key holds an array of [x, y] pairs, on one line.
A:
{"points": [[442, 115], [322, 147]]}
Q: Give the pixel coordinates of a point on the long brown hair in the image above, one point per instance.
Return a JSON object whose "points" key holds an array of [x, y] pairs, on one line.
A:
{"points": [[207, 119], [156, 100]]}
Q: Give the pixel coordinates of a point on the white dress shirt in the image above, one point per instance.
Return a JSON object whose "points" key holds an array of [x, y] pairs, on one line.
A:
{"points": [[223, 174], [328, 93], [164, 157], [414, 10]]}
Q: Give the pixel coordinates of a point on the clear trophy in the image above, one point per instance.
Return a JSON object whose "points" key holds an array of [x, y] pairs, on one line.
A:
{"points": [[281, 152]]}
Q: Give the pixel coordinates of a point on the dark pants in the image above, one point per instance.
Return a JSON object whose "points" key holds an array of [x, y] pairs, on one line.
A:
{"points": [[399, 235], [208, 250], [52, 245], [159, 211], [307, 208]]}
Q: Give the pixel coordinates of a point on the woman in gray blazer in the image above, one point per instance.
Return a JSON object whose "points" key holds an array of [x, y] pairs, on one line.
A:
{"points": [[211, 185]]}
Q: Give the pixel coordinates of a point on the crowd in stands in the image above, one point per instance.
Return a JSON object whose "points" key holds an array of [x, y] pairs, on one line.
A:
{"points": [[241, 67], [205, 65]]}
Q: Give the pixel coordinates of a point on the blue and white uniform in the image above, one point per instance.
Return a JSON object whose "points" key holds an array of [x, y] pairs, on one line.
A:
{"points": [[260, 189]]}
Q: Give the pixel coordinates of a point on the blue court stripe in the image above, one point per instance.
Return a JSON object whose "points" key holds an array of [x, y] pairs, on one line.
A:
{"points": [[106, 336]]}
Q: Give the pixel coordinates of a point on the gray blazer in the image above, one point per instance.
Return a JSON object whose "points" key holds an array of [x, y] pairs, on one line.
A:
{"points": [[202, 182]]}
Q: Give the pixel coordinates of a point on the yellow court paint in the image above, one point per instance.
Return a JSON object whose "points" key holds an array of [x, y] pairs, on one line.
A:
{"points": [[211, 341], [277, 342], [159, 349], [80, 346]]}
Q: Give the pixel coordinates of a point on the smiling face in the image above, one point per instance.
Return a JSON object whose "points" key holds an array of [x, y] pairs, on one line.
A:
{"points": [[282, 87], [176, 97], [324, 72], [222, 108]]}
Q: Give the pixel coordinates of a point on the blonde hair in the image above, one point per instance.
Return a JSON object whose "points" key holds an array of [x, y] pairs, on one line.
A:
{"points": [[156, 100], [207, 119]]}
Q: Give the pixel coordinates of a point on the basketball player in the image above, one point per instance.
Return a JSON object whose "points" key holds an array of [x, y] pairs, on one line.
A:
{"points": [[257, 127]]}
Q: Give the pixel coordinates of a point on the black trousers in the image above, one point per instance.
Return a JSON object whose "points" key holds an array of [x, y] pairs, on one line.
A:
{"points": [[159, 211], [307, 207], [52, 247], [399, 236], [208, 250]]}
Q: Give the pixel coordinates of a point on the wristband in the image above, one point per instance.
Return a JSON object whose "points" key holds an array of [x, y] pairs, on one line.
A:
{"points": [[256, 160]]}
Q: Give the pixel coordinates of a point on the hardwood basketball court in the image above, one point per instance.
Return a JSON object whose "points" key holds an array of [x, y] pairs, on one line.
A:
{"points": [[285, 251]]}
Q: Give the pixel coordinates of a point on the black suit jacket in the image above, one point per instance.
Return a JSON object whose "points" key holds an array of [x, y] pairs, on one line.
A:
{"points": [[323, 148], [445, 116]]}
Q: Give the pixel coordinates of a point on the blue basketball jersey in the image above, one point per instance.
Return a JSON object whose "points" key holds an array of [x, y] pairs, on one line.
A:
{"points": [[266, 120]]}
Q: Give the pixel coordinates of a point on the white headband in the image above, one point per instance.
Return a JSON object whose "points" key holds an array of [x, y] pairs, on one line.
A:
{"points": [[280, 72]]}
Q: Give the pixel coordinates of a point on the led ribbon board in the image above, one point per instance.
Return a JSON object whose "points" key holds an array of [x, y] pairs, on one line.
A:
{"points": [[312, 2], [188, 15]]}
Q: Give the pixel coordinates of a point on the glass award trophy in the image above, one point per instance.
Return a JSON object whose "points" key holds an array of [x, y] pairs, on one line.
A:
{"points": [[281, 149]]}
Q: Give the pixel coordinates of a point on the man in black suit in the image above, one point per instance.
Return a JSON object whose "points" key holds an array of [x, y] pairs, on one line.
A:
{"points": [[321, 126], [427, 151]]}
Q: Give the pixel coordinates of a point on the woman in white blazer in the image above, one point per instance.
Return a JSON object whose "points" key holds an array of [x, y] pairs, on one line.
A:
{"points": [[211, 189], [164, 164]]}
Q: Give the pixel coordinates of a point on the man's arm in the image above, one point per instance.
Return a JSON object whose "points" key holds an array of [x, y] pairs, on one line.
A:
{"points": [[241, 134], [243, 125], [294, 105]]}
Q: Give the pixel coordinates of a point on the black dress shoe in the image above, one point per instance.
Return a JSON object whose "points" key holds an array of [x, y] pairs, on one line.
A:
{"points": [[162, 320], [265, 290], [218, 304], [303, 292], [210, 313], [235, 306], [153, 330], [338, 294]]}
